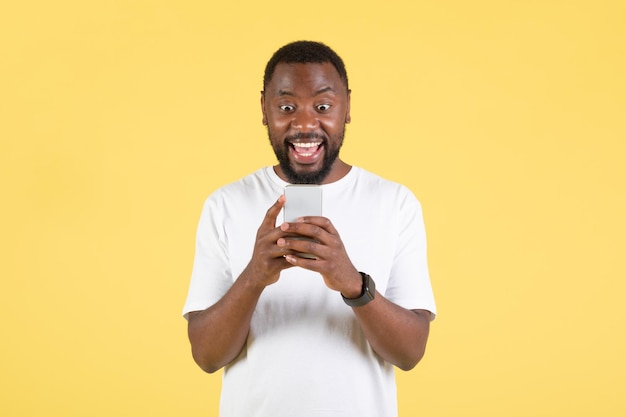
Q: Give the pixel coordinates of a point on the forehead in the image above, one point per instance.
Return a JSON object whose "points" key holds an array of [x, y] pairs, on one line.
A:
{"points": [[305, 78]]}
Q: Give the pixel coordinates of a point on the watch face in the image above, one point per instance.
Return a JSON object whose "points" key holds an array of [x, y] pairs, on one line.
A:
{"points": [[370, 287]]}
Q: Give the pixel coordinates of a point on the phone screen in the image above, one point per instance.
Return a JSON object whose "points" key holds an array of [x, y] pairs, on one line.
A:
{"points": [[302, 200]]}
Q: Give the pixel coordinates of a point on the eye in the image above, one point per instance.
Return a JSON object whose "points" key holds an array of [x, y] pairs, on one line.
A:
{"points": [[287, 107], [323, 107]]}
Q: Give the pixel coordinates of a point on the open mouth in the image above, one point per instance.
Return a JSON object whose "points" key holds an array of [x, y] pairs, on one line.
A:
{"points": [[306, 149]]}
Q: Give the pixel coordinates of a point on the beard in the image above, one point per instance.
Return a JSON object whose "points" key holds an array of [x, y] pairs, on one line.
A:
{"points": [[316, 177]]}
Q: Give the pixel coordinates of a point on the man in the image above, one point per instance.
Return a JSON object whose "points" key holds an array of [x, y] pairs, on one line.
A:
{"points": [[309, 337]]}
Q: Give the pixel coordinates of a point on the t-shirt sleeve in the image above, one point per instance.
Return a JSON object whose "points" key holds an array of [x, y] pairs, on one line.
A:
{"points": [[211, 276], [409, 284]]}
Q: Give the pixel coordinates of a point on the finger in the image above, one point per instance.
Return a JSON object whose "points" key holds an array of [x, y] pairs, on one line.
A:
{"points": [[280, 251], [306, 263], [300, 247], [309, 230], [319, 221], [272, 213], [293, 259]]}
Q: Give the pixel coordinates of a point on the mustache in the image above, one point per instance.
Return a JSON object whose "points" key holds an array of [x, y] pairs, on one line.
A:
{"points": [[306, 135]]}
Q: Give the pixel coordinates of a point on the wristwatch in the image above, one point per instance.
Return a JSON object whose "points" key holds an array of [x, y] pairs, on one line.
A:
{"points": [[367, 293]]}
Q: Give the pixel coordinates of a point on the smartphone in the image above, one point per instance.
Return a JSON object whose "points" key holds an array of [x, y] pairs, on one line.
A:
{"points": [[302, 200]]}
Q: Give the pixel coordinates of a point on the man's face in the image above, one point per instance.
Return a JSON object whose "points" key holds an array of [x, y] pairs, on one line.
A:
{"points": [[305, 108]]}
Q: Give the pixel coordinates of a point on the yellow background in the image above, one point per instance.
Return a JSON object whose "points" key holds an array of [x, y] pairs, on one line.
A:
{"points": [[505, 118]]}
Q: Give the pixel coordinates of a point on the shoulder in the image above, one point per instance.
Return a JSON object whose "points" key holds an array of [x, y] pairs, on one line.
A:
{"points": [[249, 196], [242, 187], [380, 186]]}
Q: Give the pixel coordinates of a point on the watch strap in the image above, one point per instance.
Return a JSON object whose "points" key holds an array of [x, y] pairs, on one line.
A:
{"points": [[367, 293]]}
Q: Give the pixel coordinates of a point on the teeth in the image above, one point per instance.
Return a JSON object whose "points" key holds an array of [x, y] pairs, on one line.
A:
{"points": [[306, 144], [305, 149]]}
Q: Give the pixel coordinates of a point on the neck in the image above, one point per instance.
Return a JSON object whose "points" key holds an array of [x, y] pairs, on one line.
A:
{"points": [[339, 170]]}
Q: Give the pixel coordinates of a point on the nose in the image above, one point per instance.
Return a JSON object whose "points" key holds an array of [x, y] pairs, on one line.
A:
{"points": [[305, 120]]}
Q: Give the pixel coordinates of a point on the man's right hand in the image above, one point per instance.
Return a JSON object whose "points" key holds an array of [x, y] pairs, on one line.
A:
{"points": [[267, 257]]}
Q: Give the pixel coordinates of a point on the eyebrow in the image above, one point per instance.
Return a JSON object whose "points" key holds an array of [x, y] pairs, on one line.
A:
{"points": [[318, 92]]}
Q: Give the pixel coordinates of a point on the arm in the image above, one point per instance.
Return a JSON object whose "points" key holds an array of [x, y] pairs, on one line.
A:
{"points": [[396, 334], [218, 333]]}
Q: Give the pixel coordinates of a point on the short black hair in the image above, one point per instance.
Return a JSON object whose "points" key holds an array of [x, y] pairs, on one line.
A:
{"points": [[304, 52]]}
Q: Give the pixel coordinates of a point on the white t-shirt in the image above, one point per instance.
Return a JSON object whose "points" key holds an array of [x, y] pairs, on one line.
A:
{"points": [[306, 355]]}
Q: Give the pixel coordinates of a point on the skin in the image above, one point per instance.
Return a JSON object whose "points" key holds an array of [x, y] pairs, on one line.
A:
{"points": [[307, 99], [310, 99]]}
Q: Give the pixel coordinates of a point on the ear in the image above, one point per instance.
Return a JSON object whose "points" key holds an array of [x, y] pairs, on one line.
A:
{"points": [[348, 118], [264, 120]]}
